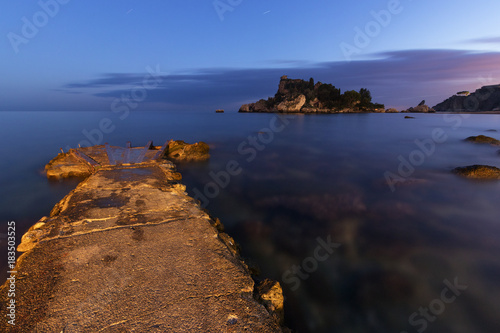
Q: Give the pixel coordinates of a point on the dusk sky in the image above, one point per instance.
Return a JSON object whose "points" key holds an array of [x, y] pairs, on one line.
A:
{"points": [[83, 55]]}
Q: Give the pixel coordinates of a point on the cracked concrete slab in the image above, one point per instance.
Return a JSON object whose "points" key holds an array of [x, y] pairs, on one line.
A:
{"points": [[129, 251]]}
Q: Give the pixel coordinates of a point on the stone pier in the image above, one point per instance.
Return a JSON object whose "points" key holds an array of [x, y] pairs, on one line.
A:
{"points": [[129, 251]]}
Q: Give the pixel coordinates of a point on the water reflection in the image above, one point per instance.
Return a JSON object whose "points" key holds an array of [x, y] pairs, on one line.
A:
{"points": [[320, 177], [397, 249]]}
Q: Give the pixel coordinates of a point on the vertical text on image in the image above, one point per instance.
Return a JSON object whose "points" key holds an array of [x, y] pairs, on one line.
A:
{"points": [[11, 280]]}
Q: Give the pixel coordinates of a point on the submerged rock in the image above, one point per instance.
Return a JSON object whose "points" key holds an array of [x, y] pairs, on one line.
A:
{"points": [[478, 172], [483, 139], [324, 207], [182, 151]]}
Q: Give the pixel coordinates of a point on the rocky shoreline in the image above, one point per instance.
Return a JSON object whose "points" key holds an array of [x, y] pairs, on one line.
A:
{"points": [[484, 99]]}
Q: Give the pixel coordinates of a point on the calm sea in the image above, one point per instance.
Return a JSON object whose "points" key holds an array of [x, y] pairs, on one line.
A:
{"points": [[357, 215]]}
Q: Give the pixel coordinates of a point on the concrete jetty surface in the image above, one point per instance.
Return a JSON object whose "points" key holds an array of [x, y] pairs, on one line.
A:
{"points": [[129, 251]]}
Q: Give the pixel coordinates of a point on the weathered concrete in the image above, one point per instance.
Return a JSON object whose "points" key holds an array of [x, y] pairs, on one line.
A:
{"points": [[129, 251]]}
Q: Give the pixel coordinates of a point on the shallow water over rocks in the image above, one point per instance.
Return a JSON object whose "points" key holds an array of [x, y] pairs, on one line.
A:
{"points": [[298, 182]]}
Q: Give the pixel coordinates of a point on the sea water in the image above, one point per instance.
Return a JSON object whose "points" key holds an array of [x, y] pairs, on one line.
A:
{"points": [[357, 215]]}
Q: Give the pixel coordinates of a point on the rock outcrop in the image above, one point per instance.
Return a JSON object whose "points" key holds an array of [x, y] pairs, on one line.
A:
{"points": [[259, 106], [296, 95], [483, 139], [78, 163], [421, 108], [181, 151], [270, 294], [66, 165], [478, 172], [292, 106], [486, 98]]}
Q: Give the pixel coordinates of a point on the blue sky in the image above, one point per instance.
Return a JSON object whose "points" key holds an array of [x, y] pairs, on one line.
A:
{"points": [[82, 55]]}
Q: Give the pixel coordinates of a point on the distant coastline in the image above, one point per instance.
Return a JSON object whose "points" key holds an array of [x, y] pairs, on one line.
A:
{"points": [[307, 97], [485, 100], [467, 112]]}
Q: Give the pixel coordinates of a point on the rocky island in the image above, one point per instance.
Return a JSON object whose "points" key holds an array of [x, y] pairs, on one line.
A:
{"points": [[484, 99], [299, 96]]}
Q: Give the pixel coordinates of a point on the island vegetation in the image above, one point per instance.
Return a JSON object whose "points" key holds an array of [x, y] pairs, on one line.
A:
{"points": [[296, 95]]}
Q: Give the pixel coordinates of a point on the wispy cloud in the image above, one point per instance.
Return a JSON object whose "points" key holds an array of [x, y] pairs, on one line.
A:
{"points": [[487, 40], [399, 78]]}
